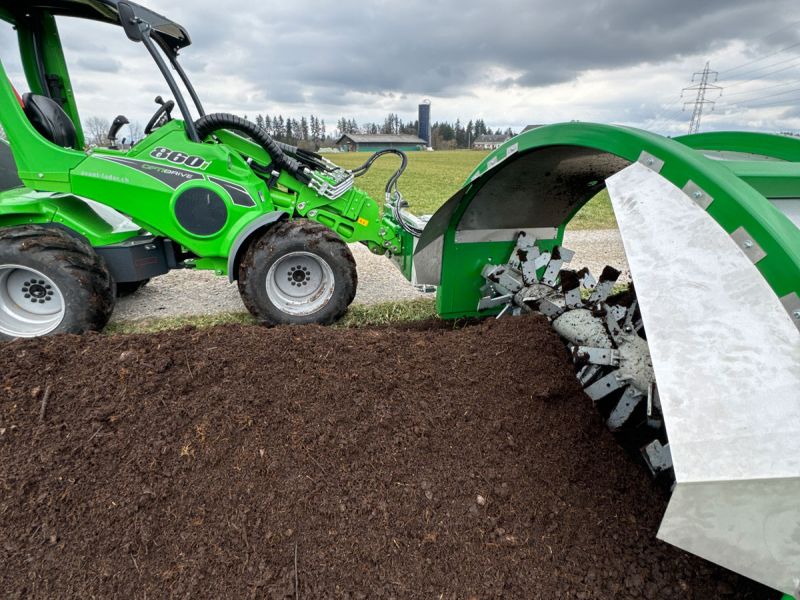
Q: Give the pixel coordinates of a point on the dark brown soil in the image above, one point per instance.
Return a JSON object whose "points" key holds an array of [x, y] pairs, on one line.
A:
{"points": [[392, 463]]}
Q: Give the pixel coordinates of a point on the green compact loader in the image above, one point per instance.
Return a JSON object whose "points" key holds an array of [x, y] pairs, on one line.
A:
{"points": [[699, 368]]}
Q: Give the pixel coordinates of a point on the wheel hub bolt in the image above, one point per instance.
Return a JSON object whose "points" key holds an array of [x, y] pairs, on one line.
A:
{"points": [[299, 275], [36, 290]]}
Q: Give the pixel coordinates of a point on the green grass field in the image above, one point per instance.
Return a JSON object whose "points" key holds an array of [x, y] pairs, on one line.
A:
{"points": [[432, 177], [359, 315]]}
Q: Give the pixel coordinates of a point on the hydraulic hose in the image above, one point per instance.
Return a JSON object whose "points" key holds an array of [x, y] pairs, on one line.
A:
{"points": [[394, 199], [392, 183], [215, 122]]}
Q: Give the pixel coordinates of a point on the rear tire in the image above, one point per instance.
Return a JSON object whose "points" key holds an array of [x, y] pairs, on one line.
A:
{"points": [[298, 272], [51, 283]]}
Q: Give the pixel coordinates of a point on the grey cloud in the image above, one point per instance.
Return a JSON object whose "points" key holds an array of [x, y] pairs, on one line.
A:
{"points": [[352, 56], [102, 64], [444, 48], [791, 112]]}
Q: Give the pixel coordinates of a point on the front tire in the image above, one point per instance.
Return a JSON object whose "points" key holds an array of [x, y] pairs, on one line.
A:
{"points": [[298, 272], [51, 283]]}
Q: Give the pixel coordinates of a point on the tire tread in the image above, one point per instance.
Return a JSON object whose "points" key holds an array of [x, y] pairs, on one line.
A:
{"points": [[313, 233], [74, 256]]}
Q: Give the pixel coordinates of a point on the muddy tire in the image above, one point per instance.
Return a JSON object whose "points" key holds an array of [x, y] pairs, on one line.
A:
{"points": [[129, 288], [297, 272], [51, 282]]}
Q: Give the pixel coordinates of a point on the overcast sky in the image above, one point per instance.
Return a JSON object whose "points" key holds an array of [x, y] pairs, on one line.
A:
{"points": [[510, 62]]}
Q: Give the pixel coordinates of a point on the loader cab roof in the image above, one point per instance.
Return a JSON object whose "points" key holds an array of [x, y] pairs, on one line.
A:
{"points": [[168, 33]]}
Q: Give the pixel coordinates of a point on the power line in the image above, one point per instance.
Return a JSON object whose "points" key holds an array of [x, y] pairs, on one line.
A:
{"points": [[764, 75], [664, 109], [784, 102], [662, 117], [700, 101], [750, 72], [759, 59], [769, 87], [777, 31], [748, 101]]}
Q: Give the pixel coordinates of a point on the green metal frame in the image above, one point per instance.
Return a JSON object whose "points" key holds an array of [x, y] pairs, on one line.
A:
{"points": [[739, 188]]}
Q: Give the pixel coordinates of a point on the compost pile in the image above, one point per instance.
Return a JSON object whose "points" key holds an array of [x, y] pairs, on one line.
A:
{"points": [[305, 462]]}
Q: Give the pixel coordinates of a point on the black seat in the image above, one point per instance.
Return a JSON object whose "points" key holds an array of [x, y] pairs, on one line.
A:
{"points": [[49, 119]]}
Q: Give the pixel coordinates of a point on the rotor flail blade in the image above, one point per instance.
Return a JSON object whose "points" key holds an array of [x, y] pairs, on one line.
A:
{"points": [[657, 456], [618, 312], [624, 409], [605, 285], [527, 258], [571, 288], [587, 279], [628, 325], [550, 309], [604, 386], [587, 373], [488, 302], [597, 356], [558, 258]]}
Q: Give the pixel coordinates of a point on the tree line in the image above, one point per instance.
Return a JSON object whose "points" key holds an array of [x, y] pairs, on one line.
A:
{"points": [[454, 136], [312, 132]]}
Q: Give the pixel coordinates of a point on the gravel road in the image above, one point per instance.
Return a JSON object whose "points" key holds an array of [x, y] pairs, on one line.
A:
{"points": [[184, 293]]}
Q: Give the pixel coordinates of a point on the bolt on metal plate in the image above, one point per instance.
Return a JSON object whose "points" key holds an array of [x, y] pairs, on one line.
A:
{"points": [[651, 162], [697, 194], [748, 245], [791, 303]]}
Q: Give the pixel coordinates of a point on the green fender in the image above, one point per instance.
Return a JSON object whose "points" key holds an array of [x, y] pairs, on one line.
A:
{"points": [[23, 206], [540, 179]]}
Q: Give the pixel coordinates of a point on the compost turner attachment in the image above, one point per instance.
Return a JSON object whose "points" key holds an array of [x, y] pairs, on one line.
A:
{"points": [[711, 231]]}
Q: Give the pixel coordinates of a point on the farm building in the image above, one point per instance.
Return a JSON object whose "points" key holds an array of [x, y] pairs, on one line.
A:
{"points": [[354, 142], [490, 142]]}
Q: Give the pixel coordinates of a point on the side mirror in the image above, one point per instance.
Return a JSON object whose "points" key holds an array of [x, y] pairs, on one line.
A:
{"points": [[129, 22]]}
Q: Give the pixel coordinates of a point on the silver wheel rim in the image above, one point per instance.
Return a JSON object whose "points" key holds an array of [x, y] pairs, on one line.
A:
{"points": [[300, 283], [30, 303]]}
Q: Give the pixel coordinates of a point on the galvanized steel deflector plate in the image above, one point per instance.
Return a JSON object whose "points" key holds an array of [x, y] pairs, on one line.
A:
{"points": [[727, 361]]}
